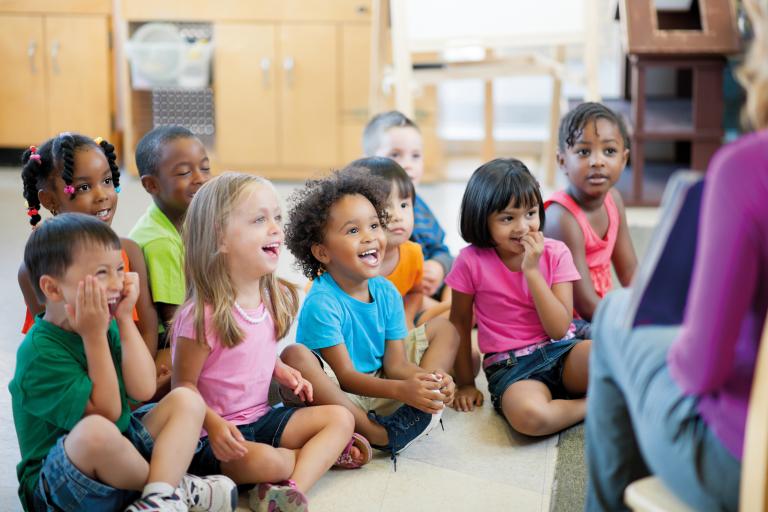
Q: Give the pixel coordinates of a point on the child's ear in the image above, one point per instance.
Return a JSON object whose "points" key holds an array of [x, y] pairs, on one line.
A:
{"points": [[626, 156], [48, 200], [50, 288], [320, 253], [560, 158], [150, 184]]}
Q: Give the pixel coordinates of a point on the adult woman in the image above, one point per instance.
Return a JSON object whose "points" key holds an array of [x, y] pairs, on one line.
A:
{"points": [[673, 400]]}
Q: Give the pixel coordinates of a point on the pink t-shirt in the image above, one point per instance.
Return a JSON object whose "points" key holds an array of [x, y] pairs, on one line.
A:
{"points": [[234, 382], [504, 308]]}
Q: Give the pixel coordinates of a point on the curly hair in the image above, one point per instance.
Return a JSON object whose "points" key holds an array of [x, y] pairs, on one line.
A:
{"points": [[57, 155], [311, 206]]}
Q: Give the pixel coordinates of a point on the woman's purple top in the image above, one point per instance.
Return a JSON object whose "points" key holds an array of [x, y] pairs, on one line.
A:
{"points": [[714, 356]]}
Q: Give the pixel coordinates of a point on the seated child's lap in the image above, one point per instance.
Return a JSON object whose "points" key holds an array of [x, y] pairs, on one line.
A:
{"points": [[268, 429], [545, 364], [62, 485], [416, 344]]}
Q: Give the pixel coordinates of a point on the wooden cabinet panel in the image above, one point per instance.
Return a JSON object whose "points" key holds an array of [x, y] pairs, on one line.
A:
{"points": [[355, 70], [79, 74], [246, 95], [309, 95], [22, 89]]}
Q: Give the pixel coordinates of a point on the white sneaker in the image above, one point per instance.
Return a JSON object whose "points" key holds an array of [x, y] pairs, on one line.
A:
{"points": [[158, 503], [214, 493]]}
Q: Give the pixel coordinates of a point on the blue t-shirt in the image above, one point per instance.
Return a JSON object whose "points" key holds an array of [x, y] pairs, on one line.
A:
{"points": [[330, 316]]}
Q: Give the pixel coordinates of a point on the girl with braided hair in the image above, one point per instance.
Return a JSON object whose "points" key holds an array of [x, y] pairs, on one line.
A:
{"points": [[74, 173]]}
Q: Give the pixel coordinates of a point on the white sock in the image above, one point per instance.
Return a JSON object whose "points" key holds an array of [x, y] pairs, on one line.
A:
{"points": [[161, 488]]}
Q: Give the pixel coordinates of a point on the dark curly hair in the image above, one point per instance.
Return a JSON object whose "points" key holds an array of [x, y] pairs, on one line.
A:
{"points": [[57, 155], [310, 207]]}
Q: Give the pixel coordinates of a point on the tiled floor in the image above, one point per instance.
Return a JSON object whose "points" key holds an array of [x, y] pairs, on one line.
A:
{"points": [[477, 463]]}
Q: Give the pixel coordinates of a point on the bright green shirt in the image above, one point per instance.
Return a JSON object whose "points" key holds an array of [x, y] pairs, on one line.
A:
{"points": [[49, 393], [163, 253]]}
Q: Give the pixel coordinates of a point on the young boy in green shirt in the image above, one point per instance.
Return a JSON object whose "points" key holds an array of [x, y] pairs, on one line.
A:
{"points": [[173, 165], [76, 371]]}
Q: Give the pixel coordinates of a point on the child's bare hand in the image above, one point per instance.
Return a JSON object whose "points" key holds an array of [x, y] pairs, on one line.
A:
{"points": [[90, 315], [533, 243], [422, 391], [124, 308], [292, 379], [226, 441], [447, 386], [467, 397], [432, 277]]}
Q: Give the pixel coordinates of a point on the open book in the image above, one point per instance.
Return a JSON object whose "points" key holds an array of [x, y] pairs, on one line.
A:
{"points": [[660, 287]]}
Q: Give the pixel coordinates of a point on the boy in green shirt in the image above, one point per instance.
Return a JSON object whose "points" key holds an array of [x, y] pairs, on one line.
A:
{"points": [[173, 165], [81, 447]]}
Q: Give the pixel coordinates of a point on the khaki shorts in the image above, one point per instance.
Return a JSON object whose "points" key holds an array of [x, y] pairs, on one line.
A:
{"points": [[415, 345]]}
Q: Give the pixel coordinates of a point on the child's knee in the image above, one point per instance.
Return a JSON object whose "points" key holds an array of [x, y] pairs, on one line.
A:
{"points": [[340, 416], [443, 330], [528, 418], [297, 356], [93, 434], [184, 399]]}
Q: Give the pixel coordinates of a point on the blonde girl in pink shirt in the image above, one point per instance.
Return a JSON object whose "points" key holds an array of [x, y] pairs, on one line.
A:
{"points": [[520, 286], [224, 345]]}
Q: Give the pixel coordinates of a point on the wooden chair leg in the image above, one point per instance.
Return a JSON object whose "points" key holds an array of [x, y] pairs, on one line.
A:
{"points": [[549, 159], [401, 58]]}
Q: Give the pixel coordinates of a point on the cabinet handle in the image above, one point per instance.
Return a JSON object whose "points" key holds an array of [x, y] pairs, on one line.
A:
{"points": [[362, 9], [55, 47], [288, 65], [31, 51], [266, 64]]}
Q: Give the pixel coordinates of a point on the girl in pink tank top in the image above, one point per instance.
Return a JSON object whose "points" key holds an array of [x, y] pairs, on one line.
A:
{"points": [[589, 215]]}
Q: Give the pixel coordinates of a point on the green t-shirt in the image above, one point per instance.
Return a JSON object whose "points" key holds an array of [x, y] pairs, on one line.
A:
{"points": [[163, 253], [49, 392]]}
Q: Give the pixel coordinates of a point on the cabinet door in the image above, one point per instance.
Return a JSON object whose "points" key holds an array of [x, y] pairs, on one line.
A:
{"points": [[309, 101], [79, 74], [355, 77], [246, 99], [23, 104]]}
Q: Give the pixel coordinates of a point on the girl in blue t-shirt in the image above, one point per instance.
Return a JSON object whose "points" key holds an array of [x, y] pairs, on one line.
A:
{"points": [[353, 319]]}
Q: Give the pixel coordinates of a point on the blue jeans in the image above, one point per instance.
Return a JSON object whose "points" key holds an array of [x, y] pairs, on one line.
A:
{"points": [[62, 487], [640, 422], [267, 430]]}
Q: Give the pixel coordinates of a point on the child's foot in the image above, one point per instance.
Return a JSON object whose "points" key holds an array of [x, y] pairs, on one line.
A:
{"points": [[215, 493], [159, 503], [404, 427], [279, 497], [356, 454]]}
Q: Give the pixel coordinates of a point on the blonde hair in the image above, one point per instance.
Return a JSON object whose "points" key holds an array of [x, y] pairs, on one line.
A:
{"points": [[753, 75], [208, 279]]}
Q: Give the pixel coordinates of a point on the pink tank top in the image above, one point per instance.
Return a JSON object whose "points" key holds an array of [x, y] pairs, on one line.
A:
{"points": [[598, 250]]}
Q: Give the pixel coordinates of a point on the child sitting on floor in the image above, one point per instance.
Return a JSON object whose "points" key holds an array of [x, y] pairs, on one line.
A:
{"points": [[518, 284], [588, 216], [224, 342], [394, 382], [76, 370]]}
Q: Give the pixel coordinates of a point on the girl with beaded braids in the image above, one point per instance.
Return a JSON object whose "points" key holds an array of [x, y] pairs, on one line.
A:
{"points": [[74, 173]]}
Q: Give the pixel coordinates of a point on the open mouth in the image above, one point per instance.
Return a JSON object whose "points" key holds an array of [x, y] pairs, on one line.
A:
{"points": [[272, 249], [370, 257], [112, 305], [103, 214]]}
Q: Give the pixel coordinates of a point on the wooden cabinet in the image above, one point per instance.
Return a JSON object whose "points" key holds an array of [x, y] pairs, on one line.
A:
{"points": [[290, 82], [58, 71]]}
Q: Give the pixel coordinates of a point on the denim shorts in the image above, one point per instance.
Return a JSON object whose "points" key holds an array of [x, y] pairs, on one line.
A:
{"points": [[62, 487], [544, 365], [267, 430]]}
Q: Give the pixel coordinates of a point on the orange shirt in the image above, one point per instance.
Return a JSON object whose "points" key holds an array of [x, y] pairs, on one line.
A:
{"points": [[409, 270], [29, 320]]}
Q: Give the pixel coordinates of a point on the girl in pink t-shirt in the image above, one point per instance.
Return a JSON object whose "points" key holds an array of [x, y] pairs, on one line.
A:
{"points": [[588, 216], [224, 345], [519, 285]]}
